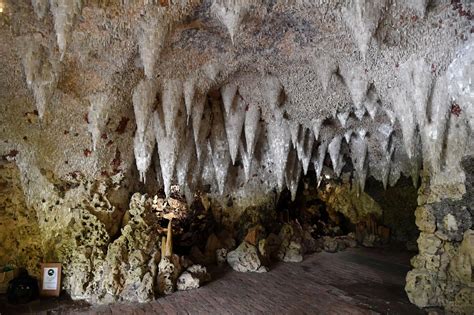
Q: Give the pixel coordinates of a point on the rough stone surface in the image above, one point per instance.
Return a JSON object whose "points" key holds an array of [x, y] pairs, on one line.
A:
{"points": [[442, 273], [291, 248], [245, 258], [237, 99], [194, 277]]}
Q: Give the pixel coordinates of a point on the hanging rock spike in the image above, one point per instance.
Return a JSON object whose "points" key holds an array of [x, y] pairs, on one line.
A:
{"points": [[317, 123], [279, 140], [219, 147], [97, 116], [363, 17], [318, 161], [293, 173], [334, 149], [294, 131], [64, 15], [347, 136], [197, 112], [252, 128], [228, 93], [143, 99], [343, 118], [152, 32], [231, 14], [234, 122], [189, 91], [273, 90], [172, 101], [143, 147], [326, 67], [39, 72]]}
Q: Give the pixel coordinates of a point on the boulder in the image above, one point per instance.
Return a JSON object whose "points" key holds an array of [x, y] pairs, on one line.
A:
{"points": [[245, 258], [194, 277], [269, 246], [292, 253], [169, 269], [330, 244], [221, 256], [291, 248]]}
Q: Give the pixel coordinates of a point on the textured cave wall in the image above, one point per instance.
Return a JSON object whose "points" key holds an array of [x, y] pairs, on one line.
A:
{"points": [[20, 237], [100, 99], [443, 269]]}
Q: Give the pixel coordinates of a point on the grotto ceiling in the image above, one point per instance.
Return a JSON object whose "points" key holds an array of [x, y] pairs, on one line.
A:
{"points": [[100, 99]]}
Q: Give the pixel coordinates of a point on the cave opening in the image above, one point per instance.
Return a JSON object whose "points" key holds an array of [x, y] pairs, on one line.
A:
{"points": [[260, 156]]}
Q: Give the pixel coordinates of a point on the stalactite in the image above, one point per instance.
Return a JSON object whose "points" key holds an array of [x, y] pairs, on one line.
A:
{"points": [[252, 129], [294, 132], [371, 104], [386, 165], [228, 94], [152, 33], [293, 173], [347, 136], [143, 146], [202, 123], [334, 149], [97, 116], [363, 17], [189, 92], [173, 100], [234, 122], [279, 141], [410, 100], [219, 146], [356, 79], [40, 75], [326, 67], [168, 147], [64, 13], [391, 115], [360, 112], [343, 118], [304, 148], [317, 123], [187, 152], [318, 160], [359, 147], [230, 14], [246, 161], [143, 99], [273, 90]]}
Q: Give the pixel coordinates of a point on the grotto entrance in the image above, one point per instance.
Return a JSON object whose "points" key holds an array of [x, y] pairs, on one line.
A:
{"points": [[335, 214]]}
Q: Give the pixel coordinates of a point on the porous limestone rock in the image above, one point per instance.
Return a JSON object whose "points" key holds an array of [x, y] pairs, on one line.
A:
{"points": [[245, 258], [353, 205], [194, 277], [291, 248]]}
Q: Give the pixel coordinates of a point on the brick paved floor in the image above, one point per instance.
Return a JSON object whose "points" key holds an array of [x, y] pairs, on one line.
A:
{"points": [[355, 281]]}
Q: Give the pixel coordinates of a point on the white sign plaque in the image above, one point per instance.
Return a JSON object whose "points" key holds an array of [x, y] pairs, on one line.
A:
{"points": [[50, 278]]}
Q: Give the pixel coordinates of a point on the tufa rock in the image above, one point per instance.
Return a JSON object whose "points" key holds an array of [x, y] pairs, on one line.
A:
{"points": [[245, 258]]}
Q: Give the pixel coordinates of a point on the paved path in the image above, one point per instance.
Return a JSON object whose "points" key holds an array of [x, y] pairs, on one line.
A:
{"points": [[355, 281]]}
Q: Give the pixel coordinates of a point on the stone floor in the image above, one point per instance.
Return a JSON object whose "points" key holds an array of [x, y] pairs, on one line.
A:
{"points": [[355, 281]]}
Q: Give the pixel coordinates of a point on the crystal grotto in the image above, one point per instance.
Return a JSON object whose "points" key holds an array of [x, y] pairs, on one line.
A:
{"points": [[244, 156]]}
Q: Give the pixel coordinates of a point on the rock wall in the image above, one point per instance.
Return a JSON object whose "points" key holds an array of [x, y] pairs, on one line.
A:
{"points": [[443, 269], [20, 238]]}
